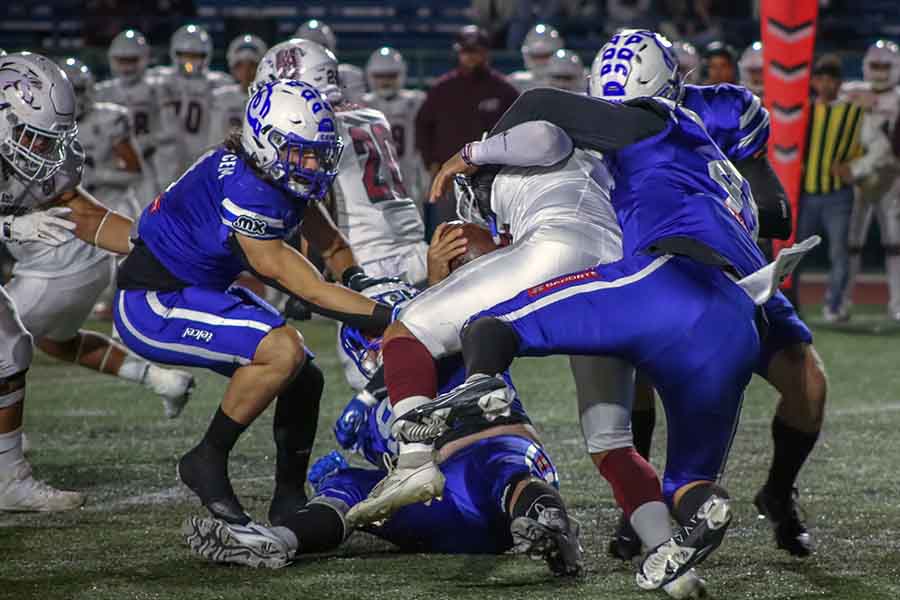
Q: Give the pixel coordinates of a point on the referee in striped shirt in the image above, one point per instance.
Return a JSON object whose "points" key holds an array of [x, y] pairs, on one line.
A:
{"points": [[832, 142]]}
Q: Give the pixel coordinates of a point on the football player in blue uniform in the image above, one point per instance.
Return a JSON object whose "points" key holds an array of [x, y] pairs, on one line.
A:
{"points": [[672, 306], [228, 213], [501, 491]]}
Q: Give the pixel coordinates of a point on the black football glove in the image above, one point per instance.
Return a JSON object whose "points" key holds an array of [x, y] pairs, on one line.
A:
{"points": [[357, 280]]}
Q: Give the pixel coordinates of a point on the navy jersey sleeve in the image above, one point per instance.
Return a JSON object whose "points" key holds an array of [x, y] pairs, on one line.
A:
{"points": [[592, 123], [253, 208], [741, 119]]}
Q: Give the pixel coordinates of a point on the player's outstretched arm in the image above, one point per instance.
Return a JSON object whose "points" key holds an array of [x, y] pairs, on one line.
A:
{"points": [[275, 261], [322, 234], [96, 224]]}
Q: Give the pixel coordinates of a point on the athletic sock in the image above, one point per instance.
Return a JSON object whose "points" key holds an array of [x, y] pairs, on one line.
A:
{"points": [[135, 369], [409, 369], [223, 433], [792, 447], [294, 425], [317, 527], [536, 496], [11, 455], [642, 424]]}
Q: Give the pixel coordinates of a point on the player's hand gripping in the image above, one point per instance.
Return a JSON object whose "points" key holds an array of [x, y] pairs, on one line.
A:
{"points": [[444, 179], [447, 243], [346, 428], [46, 226]]}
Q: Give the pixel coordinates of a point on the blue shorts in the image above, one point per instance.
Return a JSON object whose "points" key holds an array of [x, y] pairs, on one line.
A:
{"points": [[686, 325], [470, 519], [195, 326], [786, 329]]}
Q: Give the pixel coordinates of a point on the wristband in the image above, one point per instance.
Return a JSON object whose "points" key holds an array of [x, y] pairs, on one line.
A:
{"points": [[351, 272], [100, 226], [466, 154]]}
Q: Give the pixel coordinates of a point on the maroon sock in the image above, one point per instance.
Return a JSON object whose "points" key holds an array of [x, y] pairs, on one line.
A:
{"points": [[409, 369], [632, 479]]}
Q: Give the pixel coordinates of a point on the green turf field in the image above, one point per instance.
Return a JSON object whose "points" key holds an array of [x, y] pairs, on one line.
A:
{"points": [[110, 440]]}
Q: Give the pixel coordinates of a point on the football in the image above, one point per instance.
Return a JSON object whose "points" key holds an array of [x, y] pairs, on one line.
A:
{"points": [[480, 243]]}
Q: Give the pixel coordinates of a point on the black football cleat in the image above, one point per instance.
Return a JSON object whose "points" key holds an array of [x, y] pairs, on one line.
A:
{"points": [[625, 543], [553, 536], [690, 546], [478, 396], [206, 474], [286, 501], [791, 533]]}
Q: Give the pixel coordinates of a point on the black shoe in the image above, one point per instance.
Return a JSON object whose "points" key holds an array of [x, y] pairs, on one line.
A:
{"points": [[472, 398], [625, 543], [552, 537], [286, 501], [690, 546], [790, 530], [206, 474]]}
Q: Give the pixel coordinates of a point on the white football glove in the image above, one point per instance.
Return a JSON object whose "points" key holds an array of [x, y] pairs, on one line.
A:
{"points": [[46, 226]]}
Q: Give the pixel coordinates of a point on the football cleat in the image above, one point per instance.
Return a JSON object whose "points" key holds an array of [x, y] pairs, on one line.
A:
{"points": [[250, 545], [478, 396], [553, 537], [401, 487], [625, 543], [791, 533], [691, 545], [174, 387], [207, 476], [23, 493], [687, 587]]}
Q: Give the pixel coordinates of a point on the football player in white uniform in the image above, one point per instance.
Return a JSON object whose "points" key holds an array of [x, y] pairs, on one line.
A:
{"points": [[371, 205], [878, 194], [184, 93], [244, 54], [129, 55], [55, 230], [386, 75], [539, 45], [688, 62], [750, 68], [565, 71], [352, 79]]}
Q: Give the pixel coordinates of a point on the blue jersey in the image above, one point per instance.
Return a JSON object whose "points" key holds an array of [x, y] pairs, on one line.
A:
{"points": [[375, 437], [732, 115], [187, 228], [678, 186]]}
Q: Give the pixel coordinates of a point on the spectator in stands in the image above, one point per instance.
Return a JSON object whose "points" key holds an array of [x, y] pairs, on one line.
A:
{"points": [[827, 187], [508, 21], [720, 63], [628, 13], [459, 107]]}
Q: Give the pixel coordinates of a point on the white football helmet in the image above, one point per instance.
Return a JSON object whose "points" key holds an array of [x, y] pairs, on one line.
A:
{"points": [[284, 121], [83, 83], [2, 52], [386, 72], [129, 55], [37, 115], [245, 47], [688, 62], [635, 63], [318, 32], [539, 45], [300, 60], [881, 65], [750, 67], [566, 71], [191, 40], [353, 82]]}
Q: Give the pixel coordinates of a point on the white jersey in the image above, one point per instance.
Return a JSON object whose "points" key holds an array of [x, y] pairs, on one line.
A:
{"points": [[372, 207], [185, 105], [100, 130], [140, 99], [881, 110], [227, 112], [576, 193], [401, 111], [36, 259]]}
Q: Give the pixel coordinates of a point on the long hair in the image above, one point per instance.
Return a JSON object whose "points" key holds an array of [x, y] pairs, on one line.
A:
{"points": [[232, 143]]}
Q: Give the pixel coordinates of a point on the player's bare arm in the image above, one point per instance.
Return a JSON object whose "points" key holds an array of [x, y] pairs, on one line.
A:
{"points": [[96, 224], [320, 231]]}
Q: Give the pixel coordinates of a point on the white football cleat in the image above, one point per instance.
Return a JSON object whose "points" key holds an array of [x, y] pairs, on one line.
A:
{"points": [[24, 493], [401, 487], [173, 386], [250, 545], [687, 587]]}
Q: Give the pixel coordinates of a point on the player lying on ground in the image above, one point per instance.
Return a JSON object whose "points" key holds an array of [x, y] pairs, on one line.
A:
{"points": [[59, 234], [692, 241], [228, 213]]}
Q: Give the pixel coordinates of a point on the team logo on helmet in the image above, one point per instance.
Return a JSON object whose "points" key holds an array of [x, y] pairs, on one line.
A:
{"points": [[23, 83], [258, 107]]}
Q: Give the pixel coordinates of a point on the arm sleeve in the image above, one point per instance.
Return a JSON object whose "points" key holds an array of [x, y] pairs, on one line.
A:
{"points": [[252, 212], [771, 199], [748, 129], [592, 123], [535, 143]]}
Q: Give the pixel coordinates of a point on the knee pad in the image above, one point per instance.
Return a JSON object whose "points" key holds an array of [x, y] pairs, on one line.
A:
{"points": [[605, 427], [16, 355], [15, 384]]}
